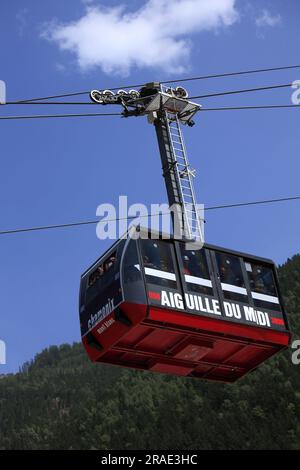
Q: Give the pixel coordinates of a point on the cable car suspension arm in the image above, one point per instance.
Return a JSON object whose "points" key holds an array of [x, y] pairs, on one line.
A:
{"points": [[167, 109]]}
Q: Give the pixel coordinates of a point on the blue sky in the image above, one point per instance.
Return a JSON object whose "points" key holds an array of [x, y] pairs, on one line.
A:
{"points": [[56, 171]]}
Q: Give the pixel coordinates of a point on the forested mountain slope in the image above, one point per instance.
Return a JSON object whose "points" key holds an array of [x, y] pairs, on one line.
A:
{"points": [[62, 401]]}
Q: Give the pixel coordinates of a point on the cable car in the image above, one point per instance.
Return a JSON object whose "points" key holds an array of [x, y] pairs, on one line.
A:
{"points": [[150, 303], [157, 303]]}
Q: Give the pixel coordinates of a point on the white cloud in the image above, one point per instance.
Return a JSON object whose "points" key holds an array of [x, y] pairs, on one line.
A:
{"points": [[157, 35], [267, 19]]}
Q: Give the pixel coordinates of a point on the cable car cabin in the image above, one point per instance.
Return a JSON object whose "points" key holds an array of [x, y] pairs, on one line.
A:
{"points": [[151, 304]]}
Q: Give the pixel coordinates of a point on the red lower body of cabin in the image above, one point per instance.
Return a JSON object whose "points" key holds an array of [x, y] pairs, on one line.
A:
{"points": [[168, 341]]}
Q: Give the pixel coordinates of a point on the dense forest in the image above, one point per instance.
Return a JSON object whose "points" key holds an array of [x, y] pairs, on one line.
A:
{"points": [[62, 401]]}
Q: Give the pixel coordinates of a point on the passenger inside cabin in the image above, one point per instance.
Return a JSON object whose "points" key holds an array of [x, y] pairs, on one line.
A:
{"points": [[96, 275], [261, 280], [195, 264], [230, 270], [100, 271], [257, 283], [110, 262], [151, 256], [186, 265], [147, 262]]}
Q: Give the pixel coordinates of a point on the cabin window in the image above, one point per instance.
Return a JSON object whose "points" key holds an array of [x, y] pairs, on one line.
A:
{"points": [[195, 271], [158, 260], [262, 285], [231, 277], [104, 271], [102, 276], [131, 265], [133, 283]]}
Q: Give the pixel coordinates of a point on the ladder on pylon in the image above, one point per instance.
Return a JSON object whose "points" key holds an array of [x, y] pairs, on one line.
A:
{"points": [[185, 177], [179, 175]]}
